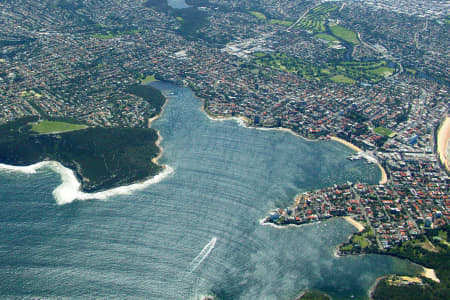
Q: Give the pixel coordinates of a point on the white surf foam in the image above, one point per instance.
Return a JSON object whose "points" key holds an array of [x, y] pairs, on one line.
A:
{"points": [[70, 188], [263, 223], [195, 263], [31, 169], [240, 121]]}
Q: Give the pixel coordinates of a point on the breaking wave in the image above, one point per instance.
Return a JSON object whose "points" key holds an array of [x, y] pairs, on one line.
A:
{"points": [[70, 188]]}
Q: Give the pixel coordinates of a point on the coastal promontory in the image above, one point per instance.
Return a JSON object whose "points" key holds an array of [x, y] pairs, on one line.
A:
{"points": [[101, 157]]}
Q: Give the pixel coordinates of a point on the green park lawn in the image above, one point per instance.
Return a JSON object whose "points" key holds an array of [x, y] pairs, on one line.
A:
{"points": [[345, 34], [258, 15], [44, 127], [384, 131], [148, 79], [281, 22], [383, 71], [326, 37], [341, 79]]}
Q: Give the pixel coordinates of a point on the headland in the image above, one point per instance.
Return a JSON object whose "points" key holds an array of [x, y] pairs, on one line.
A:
{"points": [[101, 158]]}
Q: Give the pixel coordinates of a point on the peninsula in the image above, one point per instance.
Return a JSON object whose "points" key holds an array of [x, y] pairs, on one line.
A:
{"points": [[101, 157]]}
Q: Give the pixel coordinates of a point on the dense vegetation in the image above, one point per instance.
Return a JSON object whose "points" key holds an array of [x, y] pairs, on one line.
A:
{"points": [[314, 295], [150, 94], [102, 157], [191, 19], [430, 250]]}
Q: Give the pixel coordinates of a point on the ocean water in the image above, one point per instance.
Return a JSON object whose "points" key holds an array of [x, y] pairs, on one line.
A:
{"points": [[197, 231]]}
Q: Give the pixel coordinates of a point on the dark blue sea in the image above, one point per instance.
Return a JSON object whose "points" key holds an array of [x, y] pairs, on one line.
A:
{"points": [[196, 232]]}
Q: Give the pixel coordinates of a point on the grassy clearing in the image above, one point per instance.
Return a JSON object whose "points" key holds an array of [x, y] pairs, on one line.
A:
{"points": [[281, 22], [148, 79], [384, 131], [326, 37], [342, 79], [383, 71], [361, 240], [44, 127], [111, 35], [371, 71], [258, 15], [289, 64], [259, 54], [345, 34], [104, 36], [411, 71]]}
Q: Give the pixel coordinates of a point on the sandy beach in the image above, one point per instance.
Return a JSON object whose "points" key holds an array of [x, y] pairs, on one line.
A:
{"points": [[348, 144], [360, 227], [442, 142], [150, 120], [430, 274], [158, 144], [374, 285], [384, 178]]}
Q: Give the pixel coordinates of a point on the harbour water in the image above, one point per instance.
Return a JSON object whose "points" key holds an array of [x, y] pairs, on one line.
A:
{"points": [[178, 4], [194, 233]]}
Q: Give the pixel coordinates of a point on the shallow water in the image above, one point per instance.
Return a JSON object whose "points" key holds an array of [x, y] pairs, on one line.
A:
{"points": [[197, 231]]}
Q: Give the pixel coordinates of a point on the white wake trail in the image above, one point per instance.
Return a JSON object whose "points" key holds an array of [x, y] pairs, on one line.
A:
{"points": [[196, 262]]}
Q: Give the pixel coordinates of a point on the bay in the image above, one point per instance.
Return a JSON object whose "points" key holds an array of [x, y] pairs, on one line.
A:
{"points": [[195, 233]]}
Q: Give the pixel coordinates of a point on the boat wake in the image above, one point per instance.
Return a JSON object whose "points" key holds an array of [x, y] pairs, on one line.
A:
{"points": [[70, 188], [196, 262]]}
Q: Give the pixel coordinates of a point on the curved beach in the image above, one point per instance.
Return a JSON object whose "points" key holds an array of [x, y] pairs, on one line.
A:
{"points": [[359, 226], [442, 142], [384, 177]]}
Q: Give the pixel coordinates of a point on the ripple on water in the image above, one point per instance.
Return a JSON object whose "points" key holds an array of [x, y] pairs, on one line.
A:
{"points": [[143, 244]]}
